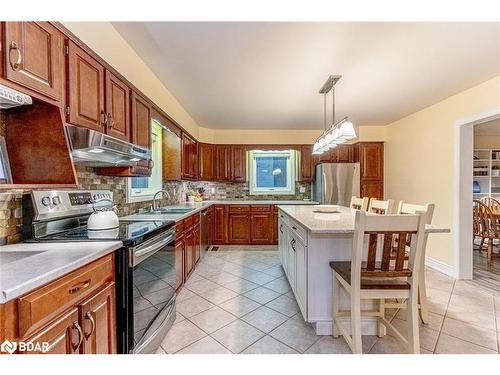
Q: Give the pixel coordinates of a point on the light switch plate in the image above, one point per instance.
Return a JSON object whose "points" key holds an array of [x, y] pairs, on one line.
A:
{"points": [[302, 189]]}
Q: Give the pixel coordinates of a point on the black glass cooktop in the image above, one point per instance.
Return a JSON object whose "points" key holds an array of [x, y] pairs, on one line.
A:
{"points": [[128, 232]]}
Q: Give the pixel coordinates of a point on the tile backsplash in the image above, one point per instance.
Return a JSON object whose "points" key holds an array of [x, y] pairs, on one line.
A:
{"points": [[11, 201]]}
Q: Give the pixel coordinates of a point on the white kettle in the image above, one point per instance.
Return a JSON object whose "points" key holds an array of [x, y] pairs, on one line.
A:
{"points": [[103, 218]]}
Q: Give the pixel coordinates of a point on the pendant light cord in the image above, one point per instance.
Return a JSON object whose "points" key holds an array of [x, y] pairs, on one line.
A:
{"points": [[333, 105], [324, 111]]}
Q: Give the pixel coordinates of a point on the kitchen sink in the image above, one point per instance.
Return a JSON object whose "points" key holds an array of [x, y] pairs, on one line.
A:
{"points": [[173, 210]]}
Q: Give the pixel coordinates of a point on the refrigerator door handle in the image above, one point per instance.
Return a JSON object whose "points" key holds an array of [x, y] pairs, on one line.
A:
{"points": [[324, 189]]}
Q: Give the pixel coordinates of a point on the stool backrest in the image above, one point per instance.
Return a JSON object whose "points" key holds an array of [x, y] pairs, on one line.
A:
{"points": [[491, 202], [374, 235], [483, 222], [410, 208], [381, 207], [359, 203]]}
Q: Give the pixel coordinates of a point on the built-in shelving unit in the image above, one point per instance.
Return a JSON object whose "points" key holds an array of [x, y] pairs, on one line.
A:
{"points": [[486, 172]]}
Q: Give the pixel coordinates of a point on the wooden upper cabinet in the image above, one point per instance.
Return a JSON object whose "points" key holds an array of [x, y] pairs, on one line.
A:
{"points": [[206, 154], [372, 189], [85, 89], [98, 319], [141, 120], [345, 154], [238, 164], [306, 164], [222, 162], [194, 160], [189, 151], [34, 57], [63, 335], [371, 158], [117, 108]]}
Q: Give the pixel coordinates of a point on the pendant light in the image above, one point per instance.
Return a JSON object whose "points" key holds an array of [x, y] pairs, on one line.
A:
{"points": [[339, 132]]}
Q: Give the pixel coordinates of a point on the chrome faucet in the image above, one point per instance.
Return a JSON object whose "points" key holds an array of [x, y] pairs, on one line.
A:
{"points": [[154, 206]]}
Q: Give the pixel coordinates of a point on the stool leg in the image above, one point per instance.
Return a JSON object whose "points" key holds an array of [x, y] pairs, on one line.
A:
{"points": [[412, 318], [335, 304], [356, 322], [381, 309], [422, 294]]}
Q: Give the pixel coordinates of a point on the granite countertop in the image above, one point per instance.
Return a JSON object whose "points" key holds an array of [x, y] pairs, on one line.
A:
{"points": [[333, 223], [27, 266], [199, 206]]}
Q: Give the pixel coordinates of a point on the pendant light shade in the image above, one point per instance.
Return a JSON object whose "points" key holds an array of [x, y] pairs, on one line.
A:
{"points": [[338, 132]]}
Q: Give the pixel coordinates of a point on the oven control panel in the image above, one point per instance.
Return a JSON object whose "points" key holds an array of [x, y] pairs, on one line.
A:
{"points": [[60, 203]]}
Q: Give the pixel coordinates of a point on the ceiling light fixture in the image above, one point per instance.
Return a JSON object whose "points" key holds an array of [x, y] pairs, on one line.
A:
{"points": [[337, 133]]}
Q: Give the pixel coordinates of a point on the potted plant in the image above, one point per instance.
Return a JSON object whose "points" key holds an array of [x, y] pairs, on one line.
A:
{"points": [[191, 194]]}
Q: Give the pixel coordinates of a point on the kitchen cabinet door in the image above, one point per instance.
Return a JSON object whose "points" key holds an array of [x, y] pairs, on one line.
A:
{"points": [[196, 244], [98, 322], [238, 164], [291, 261], [239, 228], [275, 225], [189, 259], [64, 334], [372, 189], [345, 154], [117, 108], [194, 159], [187, 150], [85, 89], [261, 228], [141, 120], [283, 245], [371, 158], [206, 161], [301, 276], [34, 57], [220, 225], [306, 164], [179, 262], [222, 163]]}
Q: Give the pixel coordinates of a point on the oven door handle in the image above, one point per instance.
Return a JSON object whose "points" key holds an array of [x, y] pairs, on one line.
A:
{"points": [[141, 254]]}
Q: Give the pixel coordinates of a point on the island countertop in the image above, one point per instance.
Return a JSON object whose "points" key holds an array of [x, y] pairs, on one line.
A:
{"points": [[341, 222]]}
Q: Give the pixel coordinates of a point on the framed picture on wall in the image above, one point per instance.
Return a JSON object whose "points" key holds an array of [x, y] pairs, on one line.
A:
{"points": [[5, 174]]}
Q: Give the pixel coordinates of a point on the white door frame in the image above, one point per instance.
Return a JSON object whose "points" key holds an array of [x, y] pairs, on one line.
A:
{"points": [[462, 200]]}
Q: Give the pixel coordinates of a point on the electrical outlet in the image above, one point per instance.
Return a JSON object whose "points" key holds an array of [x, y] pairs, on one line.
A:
{"points": [[302, 189], [212, 190]]}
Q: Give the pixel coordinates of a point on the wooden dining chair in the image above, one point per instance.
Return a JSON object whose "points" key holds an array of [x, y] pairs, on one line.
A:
{"points": [[486, 224], [428, 211], [374, 276], [491, 202], [359, 203], [380, 207]]}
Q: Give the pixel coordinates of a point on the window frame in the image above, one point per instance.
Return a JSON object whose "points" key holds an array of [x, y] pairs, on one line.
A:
{"points": [[291, 172], [156, 178]]}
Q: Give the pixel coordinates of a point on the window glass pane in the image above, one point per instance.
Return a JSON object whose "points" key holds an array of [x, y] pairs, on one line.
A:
{"points": [[140, 182], [271, 171]]}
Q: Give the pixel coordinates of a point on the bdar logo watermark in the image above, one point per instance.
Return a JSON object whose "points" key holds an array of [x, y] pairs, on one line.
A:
{"points": [[11, 346]]}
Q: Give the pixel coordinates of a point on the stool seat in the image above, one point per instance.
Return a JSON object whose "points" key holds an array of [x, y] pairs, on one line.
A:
{"points": [[343, 269]]}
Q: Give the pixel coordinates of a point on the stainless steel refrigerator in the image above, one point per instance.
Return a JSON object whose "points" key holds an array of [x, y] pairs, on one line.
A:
{"points": [[336, 183]]}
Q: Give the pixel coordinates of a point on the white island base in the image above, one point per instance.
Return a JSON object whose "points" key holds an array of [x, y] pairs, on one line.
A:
{"points": [[308, 242]]}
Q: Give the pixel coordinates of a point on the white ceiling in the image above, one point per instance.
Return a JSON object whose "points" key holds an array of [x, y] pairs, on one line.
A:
{"points": [[488, 128], [267, 75]]}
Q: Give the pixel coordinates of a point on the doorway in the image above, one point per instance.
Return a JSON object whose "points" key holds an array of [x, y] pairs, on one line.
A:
{"points": [[463, 195]]}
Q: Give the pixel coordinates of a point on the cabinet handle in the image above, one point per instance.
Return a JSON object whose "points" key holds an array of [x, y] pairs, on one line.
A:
{"points": [[294, 227], [110, 121], [104, 118], [292, 243], [17, 63], [89, 316], [281, 228], [77, 287], [80, 336]]}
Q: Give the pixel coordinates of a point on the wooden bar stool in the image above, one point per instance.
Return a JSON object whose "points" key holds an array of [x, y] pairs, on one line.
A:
{"points": [[428, 211], [359, 203], [381, 207], [375, 279]]}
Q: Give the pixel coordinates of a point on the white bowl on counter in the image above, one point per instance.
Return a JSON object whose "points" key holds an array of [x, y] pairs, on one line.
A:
{"points": [[327, 208]]}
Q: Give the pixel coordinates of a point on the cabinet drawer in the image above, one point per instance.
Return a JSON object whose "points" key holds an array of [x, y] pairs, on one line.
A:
{"points": [[261, 208], [188, 222], [42, 304], [297, 230], [283, 218], [239, 208], [179, 228], [196, 218]]}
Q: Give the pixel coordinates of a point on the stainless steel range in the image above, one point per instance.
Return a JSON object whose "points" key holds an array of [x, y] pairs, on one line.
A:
{"points": [[145, 265]]}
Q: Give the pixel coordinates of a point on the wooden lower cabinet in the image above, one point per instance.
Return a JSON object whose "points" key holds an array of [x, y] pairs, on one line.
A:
{"points": [[196, 244], [63, 335], [261, 228], [220, 225], [180, 249], [238, 228], [98, 322], [188, 240], [187, 248]]}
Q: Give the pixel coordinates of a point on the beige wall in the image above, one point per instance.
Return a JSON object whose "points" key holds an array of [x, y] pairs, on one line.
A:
{"points": [[419, 154], [103, 38], [487, 141], [281, 136]]}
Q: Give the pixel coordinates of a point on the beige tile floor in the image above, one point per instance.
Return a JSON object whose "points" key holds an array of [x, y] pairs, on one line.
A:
{"points": [[238, 301]]}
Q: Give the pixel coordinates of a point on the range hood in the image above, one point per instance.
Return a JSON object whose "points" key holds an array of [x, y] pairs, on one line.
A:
{"points": [[94, 149], [10, 98]]}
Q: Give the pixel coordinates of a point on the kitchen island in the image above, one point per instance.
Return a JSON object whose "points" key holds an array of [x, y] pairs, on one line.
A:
{"points": [[307, 242]]}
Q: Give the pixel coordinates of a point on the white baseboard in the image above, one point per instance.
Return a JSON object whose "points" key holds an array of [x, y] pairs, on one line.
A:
{"points": [[440, 266]]}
